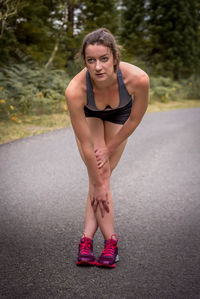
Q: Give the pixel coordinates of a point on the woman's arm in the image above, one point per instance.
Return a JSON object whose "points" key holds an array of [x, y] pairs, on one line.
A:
{"points": [[75, 103], [141, 98]]}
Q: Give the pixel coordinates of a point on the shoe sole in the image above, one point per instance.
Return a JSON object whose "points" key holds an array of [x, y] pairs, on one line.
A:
{"points": [[105, 265], [85, 263]]}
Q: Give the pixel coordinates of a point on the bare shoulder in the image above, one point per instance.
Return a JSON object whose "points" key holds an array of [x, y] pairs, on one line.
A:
{"points": [[133, 76], [75, 92]]}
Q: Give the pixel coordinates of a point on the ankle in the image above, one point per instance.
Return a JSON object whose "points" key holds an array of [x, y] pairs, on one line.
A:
{"points": [[114, 237], [88, 236]]}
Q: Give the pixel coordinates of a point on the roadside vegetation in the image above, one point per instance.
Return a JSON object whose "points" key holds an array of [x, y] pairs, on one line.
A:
{"points": [[29, 125], [32, 99], [39, 42]]}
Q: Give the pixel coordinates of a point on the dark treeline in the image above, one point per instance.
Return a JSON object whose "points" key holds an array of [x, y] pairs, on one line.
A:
{"points": [[162, 36], [40, 39]]}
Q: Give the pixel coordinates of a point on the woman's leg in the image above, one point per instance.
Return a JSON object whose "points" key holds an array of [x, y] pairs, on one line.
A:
{"points": [[97, 131], [101, 134], [91, 225], [106, 224], [110, 129]]}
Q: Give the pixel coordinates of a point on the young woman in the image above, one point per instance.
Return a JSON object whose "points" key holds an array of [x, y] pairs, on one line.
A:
{"points": [[106, 102]]}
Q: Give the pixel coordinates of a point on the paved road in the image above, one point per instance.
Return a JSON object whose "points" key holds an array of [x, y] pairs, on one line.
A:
{"points": [[156, 189]]}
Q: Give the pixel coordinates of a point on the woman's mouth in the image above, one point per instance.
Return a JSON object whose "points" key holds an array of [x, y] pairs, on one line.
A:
{"points": [[99, 74]]}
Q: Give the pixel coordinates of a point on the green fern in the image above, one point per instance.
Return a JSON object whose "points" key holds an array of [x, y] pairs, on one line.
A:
{"points": [[31, 89]]}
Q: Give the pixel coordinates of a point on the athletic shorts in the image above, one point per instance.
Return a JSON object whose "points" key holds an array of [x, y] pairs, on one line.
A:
{"points": [[117, 116]]}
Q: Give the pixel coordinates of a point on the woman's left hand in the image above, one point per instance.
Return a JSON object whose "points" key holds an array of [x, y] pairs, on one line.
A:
{"points": [[102, 156]]}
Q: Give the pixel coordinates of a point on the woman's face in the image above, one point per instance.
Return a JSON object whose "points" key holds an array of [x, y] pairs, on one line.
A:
{"points": [[99, 62]]}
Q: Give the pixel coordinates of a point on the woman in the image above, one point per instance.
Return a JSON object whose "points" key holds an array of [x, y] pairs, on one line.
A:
{"points": [[106, 102]]}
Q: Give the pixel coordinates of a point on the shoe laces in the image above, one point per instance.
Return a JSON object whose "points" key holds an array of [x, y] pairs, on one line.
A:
{"points": [[85, 245], [110, 246]]}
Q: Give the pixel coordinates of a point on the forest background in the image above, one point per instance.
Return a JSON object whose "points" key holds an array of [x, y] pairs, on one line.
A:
{"points": [[40, 39]]}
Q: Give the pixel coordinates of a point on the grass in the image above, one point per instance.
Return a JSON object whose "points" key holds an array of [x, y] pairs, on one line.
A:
{"points": [[171, 105], [28, 125]]}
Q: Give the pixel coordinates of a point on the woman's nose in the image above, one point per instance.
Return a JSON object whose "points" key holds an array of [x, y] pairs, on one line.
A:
{"points": [[98, 65]]}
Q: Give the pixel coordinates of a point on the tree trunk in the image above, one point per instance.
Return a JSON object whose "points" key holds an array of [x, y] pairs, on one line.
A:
{"points": [[53, 54], [70, 19], [55, 49], [11, 9]]}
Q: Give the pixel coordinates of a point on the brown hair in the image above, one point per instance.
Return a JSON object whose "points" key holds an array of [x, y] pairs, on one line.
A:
{"points": [[103, 37]]}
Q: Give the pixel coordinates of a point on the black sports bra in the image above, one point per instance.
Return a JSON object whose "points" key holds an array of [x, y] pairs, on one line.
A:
{"points": [[124, 96]]}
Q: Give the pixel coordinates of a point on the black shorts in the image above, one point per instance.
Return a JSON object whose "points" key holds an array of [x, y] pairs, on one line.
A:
{"points": [[117, 116]]}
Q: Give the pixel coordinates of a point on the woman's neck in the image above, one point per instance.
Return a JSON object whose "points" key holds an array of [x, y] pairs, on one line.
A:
{"points": [[98, 85]]}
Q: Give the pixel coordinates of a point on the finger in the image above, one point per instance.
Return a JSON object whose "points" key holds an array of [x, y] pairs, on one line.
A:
{"points": [[101, 208], [95, 205], [107, 199], [107, 203], [101, 164], [106, 206], [97, 152], [92, 200]]}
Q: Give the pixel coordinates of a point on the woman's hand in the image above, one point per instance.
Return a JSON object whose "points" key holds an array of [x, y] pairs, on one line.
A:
{"points": [[99, 196], [102, 156]]}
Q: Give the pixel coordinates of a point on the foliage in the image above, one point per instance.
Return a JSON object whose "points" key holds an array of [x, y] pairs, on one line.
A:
{"points": [[161, 36], [133, 28], [165, 89], [28, 88], [101, 13], [165, 34], [173, 27], [191, 87]]}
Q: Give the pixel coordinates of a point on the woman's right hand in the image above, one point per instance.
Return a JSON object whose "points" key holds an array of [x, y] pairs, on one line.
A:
{"points": [[102, 156], [99, 196]]}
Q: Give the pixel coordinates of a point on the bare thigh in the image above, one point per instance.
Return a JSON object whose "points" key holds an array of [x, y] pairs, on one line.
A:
{"points": [[110, 130], [102, 133], [96, 126]]}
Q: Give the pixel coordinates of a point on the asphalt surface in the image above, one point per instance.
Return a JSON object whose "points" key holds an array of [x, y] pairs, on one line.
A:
{"points": [[156, 190]]}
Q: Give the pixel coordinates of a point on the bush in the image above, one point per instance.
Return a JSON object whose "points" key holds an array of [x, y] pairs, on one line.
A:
{"points": [[192, 87], [164, 89], [28, 88]]}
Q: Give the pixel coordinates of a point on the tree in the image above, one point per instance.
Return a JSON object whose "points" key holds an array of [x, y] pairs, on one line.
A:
{"points": [[99, 13], [134, 26], [173, 31], [165, 34], [8, 8], [60, 31]]}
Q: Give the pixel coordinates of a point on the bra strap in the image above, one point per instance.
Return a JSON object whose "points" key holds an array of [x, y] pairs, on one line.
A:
{"points": [[90, 94]]}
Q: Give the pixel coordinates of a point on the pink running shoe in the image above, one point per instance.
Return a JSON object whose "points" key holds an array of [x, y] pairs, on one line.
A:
{"points": [[85, 254], [109, 255]]}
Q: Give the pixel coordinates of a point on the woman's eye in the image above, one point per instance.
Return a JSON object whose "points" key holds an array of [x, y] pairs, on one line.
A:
{"points": [[104, 59], [90, 60]]}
